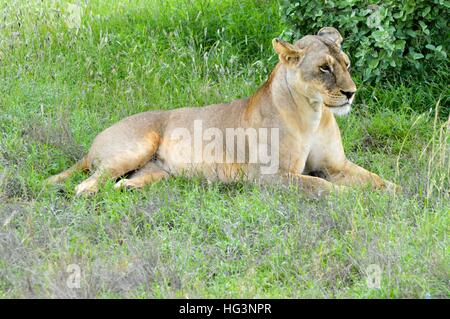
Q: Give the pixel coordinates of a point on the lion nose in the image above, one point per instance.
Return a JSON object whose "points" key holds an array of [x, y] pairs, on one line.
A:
{"points": [[348, 94]]}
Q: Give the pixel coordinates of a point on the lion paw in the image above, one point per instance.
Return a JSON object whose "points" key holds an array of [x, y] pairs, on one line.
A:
{"points": [[125, 183]]}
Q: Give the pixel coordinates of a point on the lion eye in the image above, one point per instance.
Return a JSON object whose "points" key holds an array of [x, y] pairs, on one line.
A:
{"points": [[325, 68]]}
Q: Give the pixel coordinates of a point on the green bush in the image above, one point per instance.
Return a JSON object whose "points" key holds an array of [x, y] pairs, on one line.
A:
{"points": [[384, 38]]}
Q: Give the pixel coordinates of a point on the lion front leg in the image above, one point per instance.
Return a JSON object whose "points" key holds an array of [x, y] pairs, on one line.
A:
{"points": [[310, 185], [351, 174]]}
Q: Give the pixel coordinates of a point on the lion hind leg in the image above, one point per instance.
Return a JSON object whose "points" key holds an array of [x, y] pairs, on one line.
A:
{"points": [[150, 173], [112, 164], [90, 185]]}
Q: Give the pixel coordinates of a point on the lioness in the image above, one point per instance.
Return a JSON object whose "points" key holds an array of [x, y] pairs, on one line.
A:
{"points": [[309, 84]]}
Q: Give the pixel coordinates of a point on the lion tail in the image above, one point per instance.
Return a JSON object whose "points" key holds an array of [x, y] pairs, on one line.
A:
{"points": [[78, 166]]}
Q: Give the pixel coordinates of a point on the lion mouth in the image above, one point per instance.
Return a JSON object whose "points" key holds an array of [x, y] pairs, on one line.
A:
{"points": [[337, 106], [342, 109]]}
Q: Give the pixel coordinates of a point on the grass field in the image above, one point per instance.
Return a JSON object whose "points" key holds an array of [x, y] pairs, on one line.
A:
{"points": [[60, 86]]}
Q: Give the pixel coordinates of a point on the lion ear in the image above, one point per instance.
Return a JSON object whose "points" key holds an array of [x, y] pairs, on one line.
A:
{"points": [[331, 34], [287, 53]]}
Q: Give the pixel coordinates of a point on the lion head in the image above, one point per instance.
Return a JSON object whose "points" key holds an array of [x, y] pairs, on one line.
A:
{"points": [[318, 69]]}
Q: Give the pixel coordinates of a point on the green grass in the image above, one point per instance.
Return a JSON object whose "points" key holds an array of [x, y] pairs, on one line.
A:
{"points": [[59, 87]]}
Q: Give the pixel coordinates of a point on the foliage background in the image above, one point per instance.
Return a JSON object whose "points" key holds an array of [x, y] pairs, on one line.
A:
{"points": [[387, 40]]}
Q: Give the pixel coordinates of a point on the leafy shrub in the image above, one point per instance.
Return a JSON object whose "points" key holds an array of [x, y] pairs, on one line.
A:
{"points": [[384, 38]]}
